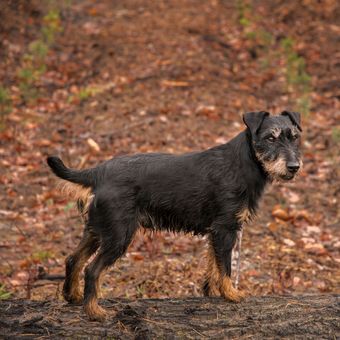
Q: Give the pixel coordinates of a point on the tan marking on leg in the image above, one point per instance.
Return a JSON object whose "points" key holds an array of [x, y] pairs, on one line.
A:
{"points": [[213, 273], [85, 249], [229, 292], [220, 284], [75, 293], [94, 311]]}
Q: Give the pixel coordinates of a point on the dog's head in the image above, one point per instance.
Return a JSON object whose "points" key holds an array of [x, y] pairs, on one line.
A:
{"points": [[276, 142]]}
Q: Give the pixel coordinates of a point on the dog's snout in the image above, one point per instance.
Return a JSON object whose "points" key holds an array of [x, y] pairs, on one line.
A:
{"points": [[293, 166]]}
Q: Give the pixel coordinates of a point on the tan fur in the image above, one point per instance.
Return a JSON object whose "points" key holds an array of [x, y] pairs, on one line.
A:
{"points": [[213, 273], [229, 292], [301, 165], [295, 131], [276, 168], [79, 193], [80, 257], [75, 191], [276, 132], [220, 284], [94, 311], [244, 216], [75, 291]]}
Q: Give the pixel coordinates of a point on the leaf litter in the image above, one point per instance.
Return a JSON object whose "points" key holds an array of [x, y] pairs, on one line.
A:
{"points": [[132, 81]]}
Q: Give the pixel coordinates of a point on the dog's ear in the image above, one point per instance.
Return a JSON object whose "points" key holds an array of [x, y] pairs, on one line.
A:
{"points": [[295, 117], [254, 120]]}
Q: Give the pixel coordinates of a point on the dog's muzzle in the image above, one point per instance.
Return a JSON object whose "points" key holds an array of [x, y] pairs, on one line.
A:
{"points": [[292, 169]]}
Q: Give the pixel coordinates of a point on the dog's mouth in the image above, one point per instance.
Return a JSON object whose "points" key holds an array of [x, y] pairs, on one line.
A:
{"points": [[287, 177]]}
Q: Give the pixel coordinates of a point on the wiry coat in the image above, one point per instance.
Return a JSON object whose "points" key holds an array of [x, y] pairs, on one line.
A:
{"points": [[210, 192]]}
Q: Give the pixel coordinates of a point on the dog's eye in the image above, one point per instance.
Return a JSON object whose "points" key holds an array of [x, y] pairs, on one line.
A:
{"points": [[295, 137], [271, 139]]}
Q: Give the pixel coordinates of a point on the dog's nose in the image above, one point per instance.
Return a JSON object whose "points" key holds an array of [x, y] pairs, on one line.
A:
{"points": [[293, 166]]}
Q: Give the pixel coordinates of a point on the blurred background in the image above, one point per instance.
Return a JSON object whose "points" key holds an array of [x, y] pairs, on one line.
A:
{"points": [[88, 80]]}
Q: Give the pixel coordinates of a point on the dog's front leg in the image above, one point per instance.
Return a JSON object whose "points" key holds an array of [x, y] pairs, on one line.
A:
{"points": [[222, 242]]}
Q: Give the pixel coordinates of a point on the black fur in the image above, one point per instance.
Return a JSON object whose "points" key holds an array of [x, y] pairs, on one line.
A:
{"points": [[200, 192]]}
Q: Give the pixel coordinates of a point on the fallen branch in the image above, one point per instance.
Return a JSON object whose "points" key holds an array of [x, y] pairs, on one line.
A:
{"points": [[312, 317]]}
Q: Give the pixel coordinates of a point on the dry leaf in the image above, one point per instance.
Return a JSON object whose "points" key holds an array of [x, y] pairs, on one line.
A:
{"points": [[93, 145], [280, 214], [173, 83], [289, 242]]}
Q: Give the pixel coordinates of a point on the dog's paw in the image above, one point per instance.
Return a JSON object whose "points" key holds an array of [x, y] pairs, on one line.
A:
{"points": [[75, 299], [95, 312], [235, 295], [230, 293]]}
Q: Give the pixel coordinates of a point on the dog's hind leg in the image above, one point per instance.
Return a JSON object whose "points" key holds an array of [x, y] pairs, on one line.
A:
{"points": [[116, 237], [74, 265], [218, 280]]}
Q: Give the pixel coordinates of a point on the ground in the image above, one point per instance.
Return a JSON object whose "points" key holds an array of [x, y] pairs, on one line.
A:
{"points": [[170, 76], [266, 317]]}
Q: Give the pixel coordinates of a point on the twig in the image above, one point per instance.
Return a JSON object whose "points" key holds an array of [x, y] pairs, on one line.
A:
{"points": [[238, 265]]}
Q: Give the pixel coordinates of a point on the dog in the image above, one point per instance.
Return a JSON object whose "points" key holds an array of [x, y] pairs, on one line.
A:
{"points": [[212, 192]]}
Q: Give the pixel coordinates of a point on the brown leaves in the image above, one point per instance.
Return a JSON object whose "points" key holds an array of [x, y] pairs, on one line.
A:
{"points": [[158, 88], [280, 213]]}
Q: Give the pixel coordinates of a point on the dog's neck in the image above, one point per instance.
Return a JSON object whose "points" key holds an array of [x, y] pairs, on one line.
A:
{"points": [[253, 156], [252, 172]]}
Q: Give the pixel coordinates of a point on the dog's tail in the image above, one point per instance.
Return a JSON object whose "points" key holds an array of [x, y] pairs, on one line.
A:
{"points": [[86, 178]]}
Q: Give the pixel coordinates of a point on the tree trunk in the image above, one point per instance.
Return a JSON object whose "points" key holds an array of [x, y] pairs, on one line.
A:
{"points": [[303, 317]]}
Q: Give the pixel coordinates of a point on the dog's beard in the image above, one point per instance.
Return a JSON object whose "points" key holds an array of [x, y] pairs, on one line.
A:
{"points": [[277, 169]]}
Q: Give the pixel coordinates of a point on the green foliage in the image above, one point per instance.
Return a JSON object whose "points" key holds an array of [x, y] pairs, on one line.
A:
{"points": [[4, 294], [5, 104], [297, 78], [69, 206], [243, 10], [34, 62], [38, 49], [304, 104], [336, 134], [52, 25], [140, 290], [244, 22], [85, 93], [296, 65], [298, 81], [42, 255], [5, 99], [266, 38]]}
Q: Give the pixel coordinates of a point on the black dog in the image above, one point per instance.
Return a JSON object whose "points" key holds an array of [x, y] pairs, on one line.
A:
{"points": [[211, 192]]}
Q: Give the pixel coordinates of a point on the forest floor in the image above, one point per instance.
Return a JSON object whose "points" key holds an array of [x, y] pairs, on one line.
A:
{"points": [[90, 80]]}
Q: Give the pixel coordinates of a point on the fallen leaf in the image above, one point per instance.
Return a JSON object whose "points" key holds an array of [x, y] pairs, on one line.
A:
{"points": [[272, 226], [93, 145], [296, 281], [289, 242], [280, 214], [316, 248], [173, 83]]}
